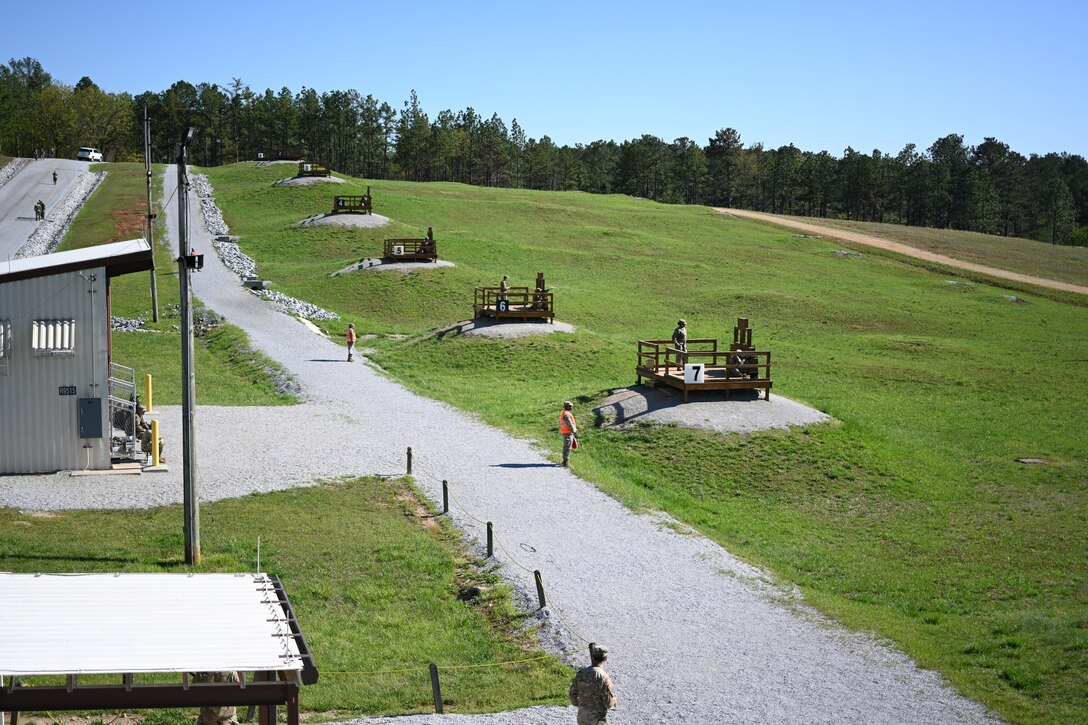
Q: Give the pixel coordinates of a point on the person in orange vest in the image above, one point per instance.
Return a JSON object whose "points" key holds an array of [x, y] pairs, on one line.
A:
{"points": [[569, 429], [351, 337]]}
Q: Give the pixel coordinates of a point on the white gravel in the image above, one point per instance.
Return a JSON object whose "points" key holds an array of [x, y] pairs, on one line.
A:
{"points": [[12, 168], [307, 180], [510, 330], [697, 635], [361, 221], [51, 232]]}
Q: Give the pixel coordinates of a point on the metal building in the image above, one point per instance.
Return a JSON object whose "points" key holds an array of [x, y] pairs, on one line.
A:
{"points": [[56, 367]]}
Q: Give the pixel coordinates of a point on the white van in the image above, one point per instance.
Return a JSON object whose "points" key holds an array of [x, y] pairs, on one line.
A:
{"points": [[86, 153]]}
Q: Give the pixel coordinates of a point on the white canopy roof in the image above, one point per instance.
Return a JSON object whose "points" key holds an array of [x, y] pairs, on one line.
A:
{"points": [[122, 623]]}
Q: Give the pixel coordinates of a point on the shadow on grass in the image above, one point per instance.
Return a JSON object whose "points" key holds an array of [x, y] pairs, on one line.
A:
{"points": [[524, 465]]}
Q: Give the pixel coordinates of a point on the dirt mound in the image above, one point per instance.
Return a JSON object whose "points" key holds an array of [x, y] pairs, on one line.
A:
{"points": [[307, 181], [362, 221], [742, 412]]}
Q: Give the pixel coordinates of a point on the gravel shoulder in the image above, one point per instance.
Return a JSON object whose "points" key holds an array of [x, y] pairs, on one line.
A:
{"points": [[696, 634], [903, 249]]}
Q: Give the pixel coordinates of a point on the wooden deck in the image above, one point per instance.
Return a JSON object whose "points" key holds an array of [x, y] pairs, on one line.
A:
{"points": [[661, 363], [312, 168], [518, 303]]}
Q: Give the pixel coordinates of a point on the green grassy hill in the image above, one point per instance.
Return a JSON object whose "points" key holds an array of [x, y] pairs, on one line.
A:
{"points": [[908, 517]]}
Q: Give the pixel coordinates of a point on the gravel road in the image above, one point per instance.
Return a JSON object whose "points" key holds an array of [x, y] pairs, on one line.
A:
{"points": [[696, 634]]}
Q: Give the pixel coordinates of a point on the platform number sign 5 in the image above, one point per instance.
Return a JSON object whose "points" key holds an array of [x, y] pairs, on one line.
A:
{"points": [[693, 373]]}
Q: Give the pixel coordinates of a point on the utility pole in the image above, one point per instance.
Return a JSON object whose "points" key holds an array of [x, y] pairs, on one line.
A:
{"points": [[150, 219], [188, 388]]}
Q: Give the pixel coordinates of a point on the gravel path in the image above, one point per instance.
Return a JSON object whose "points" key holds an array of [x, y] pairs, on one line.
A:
{"points": [[50, 232], [900, 248], [697, 635]]}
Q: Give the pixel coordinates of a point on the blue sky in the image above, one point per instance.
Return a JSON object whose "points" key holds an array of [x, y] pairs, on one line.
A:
{"points": [[823, 76]]}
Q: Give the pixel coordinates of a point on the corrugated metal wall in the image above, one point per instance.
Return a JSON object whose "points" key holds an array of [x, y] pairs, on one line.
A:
{"points": [[39, 427]]}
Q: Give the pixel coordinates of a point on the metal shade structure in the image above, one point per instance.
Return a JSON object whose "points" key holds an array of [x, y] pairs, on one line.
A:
{"points": [[126, 624]]}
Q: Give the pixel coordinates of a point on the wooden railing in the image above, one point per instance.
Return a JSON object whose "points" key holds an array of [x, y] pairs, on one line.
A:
{"points": [[312, 168], [661, 357], [518, 301], [352, 204]]}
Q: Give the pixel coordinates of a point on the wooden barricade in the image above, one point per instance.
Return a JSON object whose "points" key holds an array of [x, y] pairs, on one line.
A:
{"points": [[312, 168], [412, 250], [661, 362], [353, 204]]}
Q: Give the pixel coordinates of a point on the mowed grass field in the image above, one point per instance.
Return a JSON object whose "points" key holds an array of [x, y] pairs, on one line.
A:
{"points": [[1015, 254], [908, 517]]}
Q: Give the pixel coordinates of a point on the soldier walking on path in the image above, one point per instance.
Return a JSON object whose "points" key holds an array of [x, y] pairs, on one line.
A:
{"points": [[591, 689], [54, 177], [351, 337], [569, 429]]}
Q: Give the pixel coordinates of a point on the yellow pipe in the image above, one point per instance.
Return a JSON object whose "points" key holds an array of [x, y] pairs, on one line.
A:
{"points": [[154, 440], [149, 408]]}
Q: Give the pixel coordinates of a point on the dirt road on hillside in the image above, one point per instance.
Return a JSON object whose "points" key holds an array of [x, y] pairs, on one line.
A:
{"points": [[902, 249]]}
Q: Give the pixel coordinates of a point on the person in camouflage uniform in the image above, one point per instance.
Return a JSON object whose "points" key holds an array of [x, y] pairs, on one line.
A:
{"points": [[217, 715], [591, 689]]}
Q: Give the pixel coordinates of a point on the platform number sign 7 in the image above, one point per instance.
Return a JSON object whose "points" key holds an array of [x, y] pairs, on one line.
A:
{"points": [[693, 373]]}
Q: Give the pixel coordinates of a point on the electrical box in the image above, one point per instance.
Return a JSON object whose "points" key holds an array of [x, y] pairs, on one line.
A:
{"points": [[90, 417]]}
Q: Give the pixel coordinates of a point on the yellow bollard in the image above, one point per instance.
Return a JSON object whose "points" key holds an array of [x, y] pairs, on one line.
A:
{"points": [[154, 442], [149, 408]]}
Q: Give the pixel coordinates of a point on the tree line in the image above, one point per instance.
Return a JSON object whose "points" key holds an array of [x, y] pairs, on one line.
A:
{"points": [[985, 188]]}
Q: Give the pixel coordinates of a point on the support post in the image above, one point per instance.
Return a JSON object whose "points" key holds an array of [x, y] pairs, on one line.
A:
{"points": [[436, 689], [150, 224], [409, 460], [154, 443], [445, 498], [188, 379], [147, 389], [539, 589], [490, 540]]}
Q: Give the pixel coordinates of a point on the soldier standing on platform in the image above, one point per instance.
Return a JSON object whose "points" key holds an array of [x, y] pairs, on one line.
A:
{"points": [[680, 336], [504, 287], [592, 691]]}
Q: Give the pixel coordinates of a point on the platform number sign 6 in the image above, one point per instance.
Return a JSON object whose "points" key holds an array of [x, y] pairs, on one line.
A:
{"points": [[503, 306], [693, 373]]}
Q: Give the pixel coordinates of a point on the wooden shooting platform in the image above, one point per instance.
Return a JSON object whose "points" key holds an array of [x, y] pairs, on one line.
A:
{"points": [[519, 303], [353, 204], [411, 250], [312, 168], [742, 367], [290, 153]]}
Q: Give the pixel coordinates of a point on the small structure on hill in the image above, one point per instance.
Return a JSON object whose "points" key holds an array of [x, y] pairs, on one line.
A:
{"points": [[65, 400], [702, 366], [288, 153], [519, 303], [411, 250], [356, 204], [312, 168]]}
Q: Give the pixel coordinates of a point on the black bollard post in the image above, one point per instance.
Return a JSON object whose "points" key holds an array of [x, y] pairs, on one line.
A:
{"points": [[409, 460], [436, 689], [539, 589], [445, 498], [490, 540]]}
